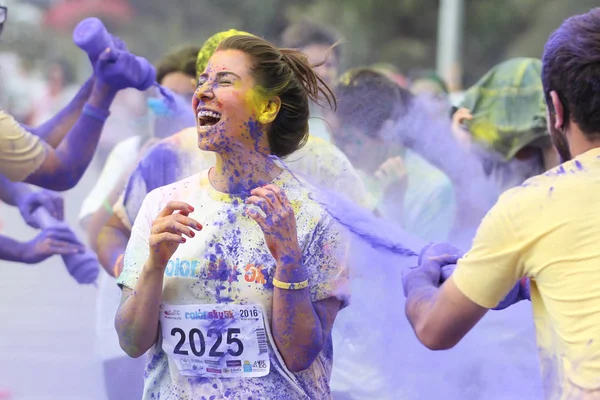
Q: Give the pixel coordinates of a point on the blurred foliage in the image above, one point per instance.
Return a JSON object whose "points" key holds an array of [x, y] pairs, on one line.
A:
{"points": [[402, 32]]}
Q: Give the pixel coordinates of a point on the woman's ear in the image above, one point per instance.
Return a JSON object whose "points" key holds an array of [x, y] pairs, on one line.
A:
{"points": [[269, 110]]}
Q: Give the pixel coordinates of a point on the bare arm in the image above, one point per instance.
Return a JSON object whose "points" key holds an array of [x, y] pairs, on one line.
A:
{"points": [[137, 319], [300, 328], [440, 317], [64, 166], [11, 192], [111, 243], [54, 130], [11, 250]]}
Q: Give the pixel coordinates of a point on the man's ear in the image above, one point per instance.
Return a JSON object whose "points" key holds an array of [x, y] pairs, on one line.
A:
{"points": [[269, 110], [559, 111]]}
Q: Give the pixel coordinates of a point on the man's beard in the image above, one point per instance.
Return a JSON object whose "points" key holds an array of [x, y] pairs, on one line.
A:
{"points": [[560, 142]]}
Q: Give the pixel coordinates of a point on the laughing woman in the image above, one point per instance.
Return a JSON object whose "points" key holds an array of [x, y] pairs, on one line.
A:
{"points": [[233, 277]]}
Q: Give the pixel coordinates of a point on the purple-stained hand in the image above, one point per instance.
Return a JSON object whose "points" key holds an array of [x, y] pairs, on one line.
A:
{"points": [[53, 240], [120, 69], [47, 199], [434, 259], [92, 37]]}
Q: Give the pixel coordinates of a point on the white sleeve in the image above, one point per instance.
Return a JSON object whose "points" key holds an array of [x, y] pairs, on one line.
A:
{"points": [[118, 161]]}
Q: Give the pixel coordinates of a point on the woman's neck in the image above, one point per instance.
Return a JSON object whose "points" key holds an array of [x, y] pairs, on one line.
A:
{"points": [[238, 174]]}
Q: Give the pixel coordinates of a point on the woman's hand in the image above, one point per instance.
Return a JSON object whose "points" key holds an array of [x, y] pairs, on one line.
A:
{"points": [[168, 230], [278, 224]]}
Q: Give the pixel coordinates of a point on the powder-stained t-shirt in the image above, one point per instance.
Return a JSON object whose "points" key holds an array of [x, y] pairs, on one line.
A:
{"points": [[21, 152], [178, 157], [548, 230], [229, 262]]}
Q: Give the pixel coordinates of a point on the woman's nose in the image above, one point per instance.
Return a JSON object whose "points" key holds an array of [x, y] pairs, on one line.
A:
{"points": [[205, 91]]}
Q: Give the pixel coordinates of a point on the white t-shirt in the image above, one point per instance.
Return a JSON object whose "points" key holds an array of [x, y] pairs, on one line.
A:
{"points": [[121, 158], [229, 262]]}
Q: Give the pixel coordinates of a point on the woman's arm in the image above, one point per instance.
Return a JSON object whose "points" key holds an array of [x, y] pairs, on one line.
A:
{"points": [[300, 327], [137, 319]]}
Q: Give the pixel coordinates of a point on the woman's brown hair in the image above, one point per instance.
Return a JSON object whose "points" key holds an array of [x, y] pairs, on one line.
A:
{"points": [[287, 74]]}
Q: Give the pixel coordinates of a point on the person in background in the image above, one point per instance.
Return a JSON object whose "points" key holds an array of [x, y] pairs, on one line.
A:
{"points": [[123, 376], [545, 229], [408, 189], [59, 89], [321, 45], [431, 86], [502, 119]]}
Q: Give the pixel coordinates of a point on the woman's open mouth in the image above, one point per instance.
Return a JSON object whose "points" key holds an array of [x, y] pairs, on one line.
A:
{"points": [[208, 118]]}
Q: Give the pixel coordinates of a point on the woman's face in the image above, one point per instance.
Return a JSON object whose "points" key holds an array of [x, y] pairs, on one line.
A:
{"points": [[226, 105]]}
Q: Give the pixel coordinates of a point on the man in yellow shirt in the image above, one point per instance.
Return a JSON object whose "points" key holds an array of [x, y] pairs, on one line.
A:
{"points": [[547, 229]]}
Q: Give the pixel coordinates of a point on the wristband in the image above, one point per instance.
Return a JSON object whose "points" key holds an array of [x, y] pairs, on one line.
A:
{"points": [[95, 112], [290, 286], [116, 271]]}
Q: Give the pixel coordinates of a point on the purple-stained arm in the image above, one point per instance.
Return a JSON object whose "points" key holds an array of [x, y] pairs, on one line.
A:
{"points": [[54, 130], [64, 166]]}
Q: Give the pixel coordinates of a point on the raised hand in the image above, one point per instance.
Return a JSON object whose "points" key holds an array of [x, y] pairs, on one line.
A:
{"points": [[168, 230], [392, 171], [120, 69], [53, 240], [278, 222], [51, 201]]}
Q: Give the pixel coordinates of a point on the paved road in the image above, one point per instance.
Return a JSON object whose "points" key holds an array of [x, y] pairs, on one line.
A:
{"points": [[47, 320]]}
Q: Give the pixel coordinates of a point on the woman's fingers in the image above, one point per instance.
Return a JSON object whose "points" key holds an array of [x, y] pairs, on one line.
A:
{"points": [[268, 195], [173, 206], [166, 238], [260, 202], [174, 227]]}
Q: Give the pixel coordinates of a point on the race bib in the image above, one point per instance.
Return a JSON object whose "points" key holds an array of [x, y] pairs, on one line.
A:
{"points": [[216, 340]]}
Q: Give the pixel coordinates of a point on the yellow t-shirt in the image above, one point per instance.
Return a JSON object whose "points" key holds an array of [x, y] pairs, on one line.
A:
{"points": [[548, 229], [21, 152]]}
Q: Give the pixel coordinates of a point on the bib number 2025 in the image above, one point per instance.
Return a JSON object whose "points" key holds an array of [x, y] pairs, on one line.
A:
{"points": [[198, 342]]}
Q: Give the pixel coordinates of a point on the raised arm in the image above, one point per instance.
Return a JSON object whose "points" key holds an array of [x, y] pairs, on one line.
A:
{"points": [[300, 325], [54, 130]]}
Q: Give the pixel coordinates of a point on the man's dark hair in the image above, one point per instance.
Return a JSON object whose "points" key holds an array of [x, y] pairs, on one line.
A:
{"points": [[305, 33], [367, 98], [182, 59], [571, 68]]}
